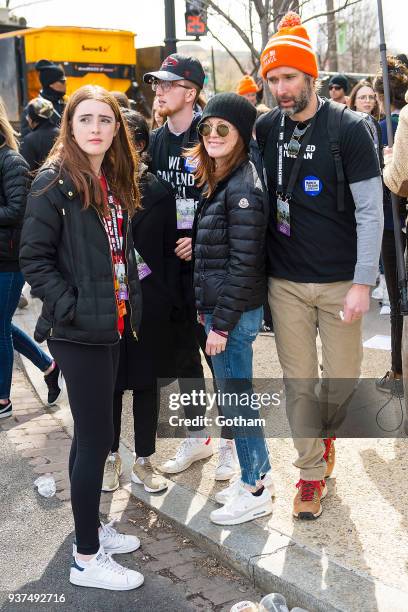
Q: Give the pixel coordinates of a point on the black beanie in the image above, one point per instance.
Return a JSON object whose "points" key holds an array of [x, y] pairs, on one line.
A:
{"points": [[341, 80], [49, 73], [235, 109]]}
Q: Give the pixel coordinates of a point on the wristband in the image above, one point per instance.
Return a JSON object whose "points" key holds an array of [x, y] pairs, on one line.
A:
{"points": [[220, 333]]}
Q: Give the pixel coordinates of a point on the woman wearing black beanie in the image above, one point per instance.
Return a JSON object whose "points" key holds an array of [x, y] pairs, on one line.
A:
{"points": [[230, 284]]}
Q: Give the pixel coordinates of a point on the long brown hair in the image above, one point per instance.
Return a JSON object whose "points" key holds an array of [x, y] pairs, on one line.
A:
{"points": [[352, 103], [6, 129], [119, 165], [398, 80], [206, 173]]}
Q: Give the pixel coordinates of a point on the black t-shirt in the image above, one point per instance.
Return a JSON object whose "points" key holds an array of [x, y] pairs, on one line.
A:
{"points": [[169, 164], [322, 246]]}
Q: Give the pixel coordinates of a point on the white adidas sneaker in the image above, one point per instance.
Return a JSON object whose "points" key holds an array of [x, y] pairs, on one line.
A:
{"points": [[224, 496], [243, 507], [189, 451], [228, 465], [102, 572], [113, 542]]}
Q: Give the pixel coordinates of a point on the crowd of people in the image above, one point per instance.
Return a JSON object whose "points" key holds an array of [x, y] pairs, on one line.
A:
{"points": [[147, 247]]}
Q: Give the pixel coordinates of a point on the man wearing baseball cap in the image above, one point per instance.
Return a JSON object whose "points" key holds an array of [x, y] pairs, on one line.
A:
{"points": [[39, 142], [323, 247], [177, 85]]}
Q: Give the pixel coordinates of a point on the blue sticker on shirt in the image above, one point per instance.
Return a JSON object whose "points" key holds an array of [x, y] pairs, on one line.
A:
{"points": [[312, 185], [190, 164]]}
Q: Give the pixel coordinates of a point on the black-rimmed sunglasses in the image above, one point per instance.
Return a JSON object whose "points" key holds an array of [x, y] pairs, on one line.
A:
{"points": [[222, 129]]}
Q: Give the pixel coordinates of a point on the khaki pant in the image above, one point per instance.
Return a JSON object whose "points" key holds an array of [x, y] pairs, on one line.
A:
{"points": [[298, 310]]}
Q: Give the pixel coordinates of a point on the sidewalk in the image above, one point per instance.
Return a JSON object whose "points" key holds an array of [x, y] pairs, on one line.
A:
{"points": [[36, 533], [354, 558]]}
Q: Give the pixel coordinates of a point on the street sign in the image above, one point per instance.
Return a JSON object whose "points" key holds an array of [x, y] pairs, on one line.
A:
{"points": [[196, 18]]}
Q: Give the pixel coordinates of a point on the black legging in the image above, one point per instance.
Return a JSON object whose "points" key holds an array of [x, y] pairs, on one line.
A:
{"points": [[145, 415], [389, 258], [90, 375]]}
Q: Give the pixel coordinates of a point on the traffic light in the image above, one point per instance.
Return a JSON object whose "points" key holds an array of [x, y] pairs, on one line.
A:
{"points": [[196, 18]]}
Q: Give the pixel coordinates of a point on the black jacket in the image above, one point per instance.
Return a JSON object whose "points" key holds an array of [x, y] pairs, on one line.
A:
{"points": [[65, 257], [229, 248], [14, 186], [38, 143], [154, 237]]}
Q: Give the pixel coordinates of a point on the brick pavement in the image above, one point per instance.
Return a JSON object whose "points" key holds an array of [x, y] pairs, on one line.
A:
{"points": [[40, 439]]}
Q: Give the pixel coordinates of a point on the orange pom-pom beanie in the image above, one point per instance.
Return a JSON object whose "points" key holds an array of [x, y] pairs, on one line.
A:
{"points": [[290, 46], [247, 85]]}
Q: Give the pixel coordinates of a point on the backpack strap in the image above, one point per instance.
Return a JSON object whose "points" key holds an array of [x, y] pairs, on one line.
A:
{"points": [[334, 117]]}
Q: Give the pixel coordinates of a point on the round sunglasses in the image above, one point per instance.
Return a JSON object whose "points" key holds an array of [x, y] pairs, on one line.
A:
{"points": [[205, 129]]}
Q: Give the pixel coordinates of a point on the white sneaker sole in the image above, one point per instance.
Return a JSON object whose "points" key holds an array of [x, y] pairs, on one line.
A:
{"points": [[204, 454], [134, 478], [98, 584], [253, 514], [4, 415]]}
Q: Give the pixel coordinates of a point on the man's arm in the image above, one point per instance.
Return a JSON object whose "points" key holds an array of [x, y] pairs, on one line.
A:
{"points": [[368, 199]]}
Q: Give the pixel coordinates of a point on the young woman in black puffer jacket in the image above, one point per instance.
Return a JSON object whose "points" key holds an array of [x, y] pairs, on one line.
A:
{"points": [[230, 286], [77, 254], [14, 185]]}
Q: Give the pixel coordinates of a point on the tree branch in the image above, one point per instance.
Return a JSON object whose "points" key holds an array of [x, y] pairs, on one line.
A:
{"points": [[234, 25], [236, 60], [346, 4]]}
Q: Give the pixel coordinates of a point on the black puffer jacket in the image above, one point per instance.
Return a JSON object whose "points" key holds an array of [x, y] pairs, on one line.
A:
{"points": [[14, 186], [65, 257], [229, 248]]}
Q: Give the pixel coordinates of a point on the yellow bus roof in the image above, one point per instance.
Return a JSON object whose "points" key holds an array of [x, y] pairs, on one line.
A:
{"points": [[66, 29]]}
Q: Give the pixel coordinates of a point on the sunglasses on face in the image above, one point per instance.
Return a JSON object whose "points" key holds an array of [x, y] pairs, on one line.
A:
{"points": [[221, 129], [336, 87], [165, 86]]}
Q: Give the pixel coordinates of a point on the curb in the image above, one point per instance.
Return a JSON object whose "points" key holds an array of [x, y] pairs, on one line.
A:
{"points": [[272, 560]]}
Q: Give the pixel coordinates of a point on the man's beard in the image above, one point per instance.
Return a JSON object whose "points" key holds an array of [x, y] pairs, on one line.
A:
{"points": [[300, 102], [165, 111]]}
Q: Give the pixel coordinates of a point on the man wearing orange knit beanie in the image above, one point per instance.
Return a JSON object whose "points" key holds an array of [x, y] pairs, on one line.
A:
{"points": [[248, 88], [323, 246]]}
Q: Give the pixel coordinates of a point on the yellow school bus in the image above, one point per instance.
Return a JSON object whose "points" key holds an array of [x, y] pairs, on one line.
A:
{"points": [[88, 56]]}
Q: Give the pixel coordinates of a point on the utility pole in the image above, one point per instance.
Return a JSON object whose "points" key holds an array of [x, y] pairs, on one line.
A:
{"points": [[213, 70], [170, 40], [331, 37]]}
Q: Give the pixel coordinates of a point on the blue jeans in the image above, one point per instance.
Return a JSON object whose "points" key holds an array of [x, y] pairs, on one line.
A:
{"points": [[233, 373], [11, 284]]}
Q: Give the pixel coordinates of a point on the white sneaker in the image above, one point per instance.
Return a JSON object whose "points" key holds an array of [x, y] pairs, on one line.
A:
{"points": [[378, 292], [102, 572], [114, 543], [228, 464], [190, 450], [224, 496], [243, 507]]}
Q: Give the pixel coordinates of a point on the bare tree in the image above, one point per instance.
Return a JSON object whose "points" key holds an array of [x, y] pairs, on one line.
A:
{"points": [[261, 20], [331, 37]]}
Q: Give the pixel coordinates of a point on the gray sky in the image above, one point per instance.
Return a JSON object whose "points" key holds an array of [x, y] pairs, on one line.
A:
{"points": [[146, 18]]}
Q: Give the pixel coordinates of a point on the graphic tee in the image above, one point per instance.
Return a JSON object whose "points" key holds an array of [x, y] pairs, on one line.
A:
{"points": [[169, 164], [322, 246]]}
